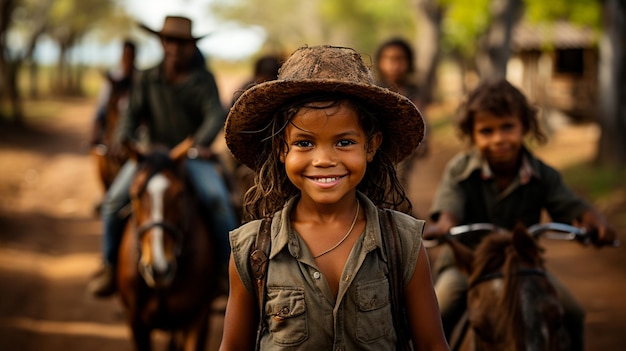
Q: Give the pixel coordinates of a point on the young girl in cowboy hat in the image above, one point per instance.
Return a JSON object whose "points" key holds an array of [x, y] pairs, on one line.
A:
{"points": [[323, 140]]}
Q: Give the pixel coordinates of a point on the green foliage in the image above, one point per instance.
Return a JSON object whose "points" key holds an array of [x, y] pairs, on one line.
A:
{"points": [[68, 20], [464, 22], [76, 17], [370, 22], [355, 23], [583, 12]]}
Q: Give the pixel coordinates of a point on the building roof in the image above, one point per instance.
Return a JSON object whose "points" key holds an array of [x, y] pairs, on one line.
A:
{"points": [[559, 35]]}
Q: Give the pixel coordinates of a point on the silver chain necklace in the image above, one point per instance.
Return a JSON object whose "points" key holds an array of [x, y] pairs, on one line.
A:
{"points": [[356, 215]]}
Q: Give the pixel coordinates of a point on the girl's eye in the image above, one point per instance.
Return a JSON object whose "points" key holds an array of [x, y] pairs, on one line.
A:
{"points": [[303, 143], [344, 143]]}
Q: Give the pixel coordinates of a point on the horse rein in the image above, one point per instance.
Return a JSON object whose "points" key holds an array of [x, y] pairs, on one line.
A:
{"points": [[499, 275]]}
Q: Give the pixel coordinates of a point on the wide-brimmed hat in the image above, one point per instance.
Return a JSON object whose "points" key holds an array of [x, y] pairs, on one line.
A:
{"points": [[326, 69], [176, 27]]}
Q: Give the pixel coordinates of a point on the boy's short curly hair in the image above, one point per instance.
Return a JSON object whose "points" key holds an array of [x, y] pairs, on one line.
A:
{"points": [[500, 98]]}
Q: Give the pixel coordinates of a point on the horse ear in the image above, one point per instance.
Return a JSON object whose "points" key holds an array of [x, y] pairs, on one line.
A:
{"points": [[524, 243], [463, 256], [179, 152]]}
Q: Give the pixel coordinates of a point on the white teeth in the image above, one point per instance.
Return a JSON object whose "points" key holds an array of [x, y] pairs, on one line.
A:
{"points": [[326, 180]]}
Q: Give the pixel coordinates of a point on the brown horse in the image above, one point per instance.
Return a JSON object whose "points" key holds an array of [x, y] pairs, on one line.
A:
{"points": [[108, 165], [166, 273], [511, 304]]}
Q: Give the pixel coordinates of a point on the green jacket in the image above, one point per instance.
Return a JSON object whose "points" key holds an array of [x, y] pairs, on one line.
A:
{"points": [[173, 112]]}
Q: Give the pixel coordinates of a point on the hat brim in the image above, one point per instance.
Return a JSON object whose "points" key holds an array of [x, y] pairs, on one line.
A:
{"points": [[164, 35], [402, 122]]}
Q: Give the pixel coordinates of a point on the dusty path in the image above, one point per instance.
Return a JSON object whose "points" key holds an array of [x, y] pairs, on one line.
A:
{"points": [[49, 245]]}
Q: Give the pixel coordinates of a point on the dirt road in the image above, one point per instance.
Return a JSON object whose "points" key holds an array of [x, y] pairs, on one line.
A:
{"points": [[49, 245]]}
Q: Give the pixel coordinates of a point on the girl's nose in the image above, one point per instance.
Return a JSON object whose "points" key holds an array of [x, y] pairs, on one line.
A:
{"points": [[324, 158]]}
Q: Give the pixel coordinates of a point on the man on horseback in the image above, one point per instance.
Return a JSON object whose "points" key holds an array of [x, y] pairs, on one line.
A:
{"points": [[176, 99]]}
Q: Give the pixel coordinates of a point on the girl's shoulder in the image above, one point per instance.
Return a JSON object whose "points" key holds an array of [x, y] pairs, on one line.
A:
{"points": [[407, 222], [242, 240], [410, 235], [246, 232]]}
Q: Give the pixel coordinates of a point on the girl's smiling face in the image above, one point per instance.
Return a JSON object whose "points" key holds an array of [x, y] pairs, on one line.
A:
{"points": [[328, 151], [499, 138]]}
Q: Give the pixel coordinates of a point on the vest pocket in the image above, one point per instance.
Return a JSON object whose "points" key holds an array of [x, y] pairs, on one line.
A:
{"points": [[374, 310], [286, 317]]}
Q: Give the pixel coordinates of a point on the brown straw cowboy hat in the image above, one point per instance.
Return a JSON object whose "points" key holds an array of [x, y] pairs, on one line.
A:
{"points": [[321, 69], [175, 27]]}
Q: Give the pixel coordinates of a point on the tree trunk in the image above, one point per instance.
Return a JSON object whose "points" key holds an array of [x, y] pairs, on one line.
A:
{"points": [[495, 45], [40, 24], [429, 18], [33, 76], [612, 80], [61, 79], [8, 67]]}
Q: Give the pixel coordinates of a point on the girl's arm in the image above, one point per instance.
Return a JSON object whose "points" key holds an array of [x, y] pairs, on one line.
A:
{"points": [[241, 319], [423, 309]]}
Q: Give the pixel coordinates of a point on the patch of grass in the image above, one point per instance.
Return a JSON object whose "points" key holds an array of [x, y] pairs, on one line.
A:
{"points": [[595, 182], [604, 187]]}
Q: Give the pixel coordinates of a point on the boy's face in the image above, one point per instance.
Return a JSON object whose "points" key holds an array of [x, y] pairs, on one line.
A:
{"points": [[499, 138], [327, 152]]}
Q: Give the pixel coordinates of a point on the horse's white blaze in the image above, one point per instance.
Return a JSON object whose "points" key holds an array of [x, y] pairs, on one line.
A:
{"points": [[156, 188]]}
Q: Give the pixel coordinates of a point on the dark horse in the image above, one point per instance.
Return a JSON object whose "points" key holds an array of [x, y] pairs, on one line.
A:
{"points": [[511, 304], [166, 273], [108, 165]]}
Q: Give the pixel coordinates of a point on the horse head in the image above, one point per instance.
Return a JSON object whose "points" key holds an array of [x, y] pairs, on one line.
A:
{"points": [[511, 304], [157, 199]]}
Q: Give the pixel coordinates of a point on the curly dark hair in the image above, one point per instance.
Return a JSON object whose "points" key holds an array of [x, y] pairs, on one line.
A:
{"points": [[500, 98], [272, 188]]}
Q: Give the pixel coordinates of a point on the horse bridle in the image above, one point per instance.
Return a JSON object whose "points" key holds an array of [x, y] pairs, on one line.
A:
{"points": [[166, 226], [499, 275]]}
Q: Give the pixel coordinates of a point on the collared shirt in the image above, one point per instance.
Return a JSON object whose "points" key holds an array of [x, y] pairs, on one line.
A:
{"points": [[301, 311], [469, 192], [174, 112]]}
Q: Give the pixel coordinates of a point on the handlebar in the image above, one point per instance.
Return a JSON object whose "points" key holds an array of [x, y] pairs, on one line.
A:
{"points": [[555, 231]]}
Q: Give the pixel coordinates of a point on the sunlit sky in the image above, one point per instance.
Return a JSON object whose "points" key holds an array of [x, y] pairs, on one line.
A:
{"points": [[222, 41]]}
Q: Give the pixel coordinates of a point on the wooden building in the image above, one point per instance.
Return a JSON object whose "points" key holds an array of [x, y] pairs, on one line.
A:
{"points": [[557, 67]]}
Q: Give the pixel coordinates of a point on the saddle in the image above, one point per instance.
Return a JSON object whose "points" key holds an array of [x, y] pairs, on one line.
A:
{"points": [[259, 260]]}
